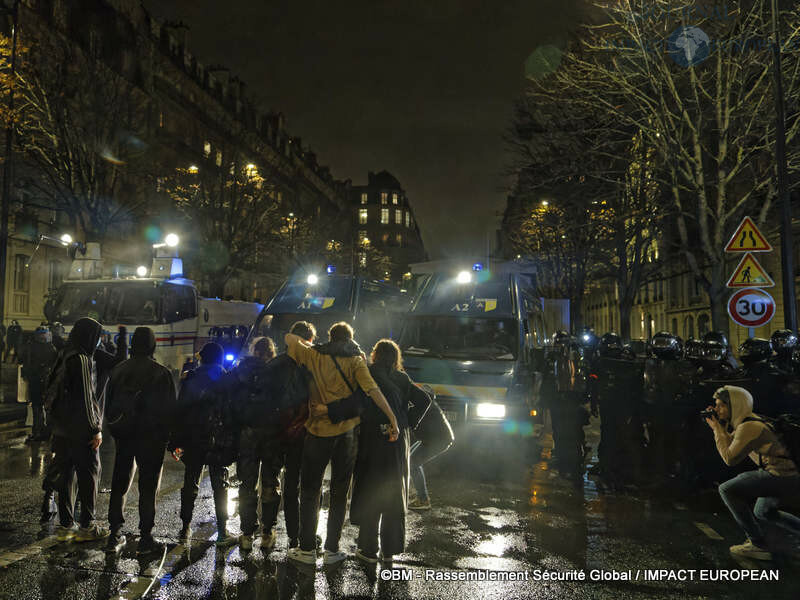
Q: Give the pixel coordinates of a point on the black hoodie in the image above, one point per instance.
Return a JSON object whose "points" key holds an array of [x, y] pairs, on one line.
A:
{"points": [[77, 415], [142, 377]]}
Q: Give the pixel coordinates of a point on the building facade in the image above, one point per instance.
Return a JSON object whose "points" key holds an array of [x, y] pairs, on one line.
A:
{"points": [[195, 117], [384, 219]]}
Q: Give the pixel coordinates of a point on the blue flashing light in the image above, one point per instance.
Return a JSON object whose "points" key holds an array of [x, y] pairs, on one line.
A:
{"points": [[229, 357], [477, 267], [331, 269]]}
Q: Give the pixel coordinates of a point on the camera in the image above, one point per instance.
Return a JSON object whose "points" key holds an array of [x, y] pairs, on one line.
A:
{"points": [[386, 428], [708, 414]]}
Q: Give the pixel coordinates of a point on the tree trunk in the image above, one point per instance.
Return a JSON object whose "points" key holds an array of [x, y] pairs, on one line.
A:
{"points": [[625, 307], [576, 313], [717, 293]]}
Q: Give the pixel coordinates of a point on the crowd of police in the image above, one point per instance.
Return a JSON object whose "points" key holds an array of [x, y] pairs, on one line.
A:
{"points": [[649, 404], [281, 419]]}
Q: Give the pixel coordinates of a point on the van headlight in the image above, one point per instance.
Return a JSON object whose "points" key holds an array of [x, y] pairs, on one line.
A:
{"points": [[487, 410]]}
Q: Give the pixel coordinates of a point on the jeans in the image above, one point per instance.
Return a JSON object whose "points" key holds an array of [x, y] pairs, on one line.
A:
{"points": [[767, 490], [417, 472], [292, 460], [76, 458], [260, 459], [192, 477], [148, 455], [340, 451]]}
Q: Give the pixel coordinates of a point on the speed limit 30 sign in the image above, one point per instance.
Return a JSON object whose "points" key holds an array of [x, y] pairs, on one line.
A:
{"points": [[751, 307]]}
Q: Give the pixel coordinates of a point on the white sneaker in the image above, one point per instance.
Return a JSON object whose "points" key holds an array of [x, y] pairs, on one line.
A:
{"points": [[308, 557], [750, 550], [418, 504], [331, 558]]}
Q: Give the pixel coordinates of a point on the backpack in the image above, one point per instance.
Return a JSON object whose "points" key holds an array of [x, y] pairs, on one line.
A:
{"points": [[123, 410], [787, 428], [57, 384], [295, 391]]}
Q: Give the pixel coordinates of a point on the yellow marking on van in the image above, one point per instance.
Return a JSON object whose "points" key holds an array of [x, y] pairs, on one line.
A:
{"points": [[474, 392]]}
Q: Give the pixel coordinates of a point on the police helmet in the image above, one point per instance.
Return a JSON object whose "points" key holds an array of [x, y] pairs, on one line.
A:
{"points": [[561, 338], [666, 346], [716, 337], [714, 351], [783, 341], [694, 349], [611, 345], [754, 350]]}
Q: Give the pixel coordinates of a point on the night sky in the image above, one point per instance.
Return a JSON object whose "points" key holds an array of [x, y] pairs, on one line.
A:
{"points": [[422, 89]]}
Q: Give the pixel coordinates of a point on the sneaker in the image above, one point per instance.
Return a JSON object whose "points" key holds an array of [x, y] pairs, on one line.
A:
{"points": [[419, 504], [92, 533], [246, 542], [116, 541], [148, 545], [268, 539], [308, 557], [750, 550], [225, 539], [65, 534], [331, 558], [367, 558], [185, 533]]}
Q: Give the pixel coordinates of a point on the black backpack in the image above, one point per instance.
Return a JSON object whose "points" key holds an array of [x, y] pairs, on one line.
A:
{"points": [[124, 409], [57, 383], [787, 428]]}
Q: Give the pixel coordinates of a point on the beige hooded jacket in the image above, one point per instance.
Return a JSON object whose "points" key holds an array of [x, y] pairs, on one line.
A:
{"points": [[752, 438]]}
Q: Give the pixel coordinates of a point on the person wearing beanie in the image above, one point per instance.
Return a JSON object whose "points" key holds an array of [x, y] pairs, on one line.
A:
{"points": [[140, 412], [205, 436]]}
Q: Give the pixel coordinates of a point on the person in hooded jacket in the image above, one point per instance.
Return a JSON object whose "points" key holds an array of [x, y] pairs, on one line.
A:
{"points": [[38, 360], [380, 488], [738, 434], [140, 411], [338, 369], [259, 464], [202, 408], [13, 341], [77, 423]]}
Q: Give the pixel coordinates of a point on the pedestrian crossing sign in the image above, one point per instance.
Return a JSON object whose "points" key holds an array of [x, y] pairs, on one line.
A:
{"points": [[748, 238], [750, 274]]}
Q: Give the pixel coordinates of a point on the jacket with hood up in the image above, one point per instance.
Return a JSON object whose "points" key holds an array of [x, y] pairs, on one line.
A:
{"points": [[328, 384], [157, 411], [77, 414], [751, 438]]}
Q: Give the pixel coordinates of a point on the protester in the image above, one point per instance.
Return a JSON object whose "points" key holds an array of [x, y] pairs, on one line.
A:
{"points": [[259, 464], [77, 417], [431, 438], [59, 337], [38, 360], [337, 368], [203, 418], [13, 341], [382, 467], [739, 433], [140, 412]]}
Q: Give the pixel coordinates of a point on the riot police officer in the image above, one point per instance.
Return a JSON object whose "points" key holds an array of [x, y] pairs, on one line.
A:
{"points": [[567, 410], [785, 344], [764, 380], [666, 377], [617, 386], [718, 358]]}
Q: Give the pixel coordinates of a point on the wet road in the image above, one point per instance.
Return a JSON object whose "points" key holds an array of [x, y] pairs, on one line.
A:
{"points": [[499, 512]]}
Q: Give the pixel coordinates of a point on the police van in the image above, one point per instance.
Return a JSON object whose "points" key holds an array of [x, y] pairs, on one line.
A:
{"points": [[159, 298], [477, 337], [374, 308]]}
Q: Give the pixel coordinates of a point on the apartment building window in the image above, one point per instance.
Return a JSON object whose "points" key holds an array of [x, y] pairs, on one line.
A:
{"points": [[408, 219], [385, 238], [161, 119], [362, 236], [364, 197], [384, 216], [362, 216], [21, 280], [206, 148], [398, 217], [55, 274], [218, 159], [384, 197], [399, 239], [394, 198], [362, 259]]}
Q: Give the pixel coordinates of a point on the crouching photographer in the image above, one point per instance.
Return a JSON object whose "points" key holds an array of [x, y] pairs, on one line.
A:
{"points": [[739, 433]]}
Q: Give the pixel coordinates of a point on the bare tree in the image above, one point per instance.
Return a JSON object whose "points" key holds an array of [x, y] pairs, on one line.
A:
{"points": [[709, 121], [79, 129]]}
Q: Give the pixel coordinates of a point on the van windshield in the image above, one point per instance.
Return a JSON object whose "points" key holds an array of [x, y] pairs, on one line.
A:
{"points": [[329, 294], [124, 303], [461, 337]]}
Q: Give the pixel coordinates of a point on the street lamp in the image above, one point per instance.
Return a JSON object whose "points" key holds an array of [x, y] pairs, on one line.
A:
{"points": [[171, 240], [66, 239]]}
